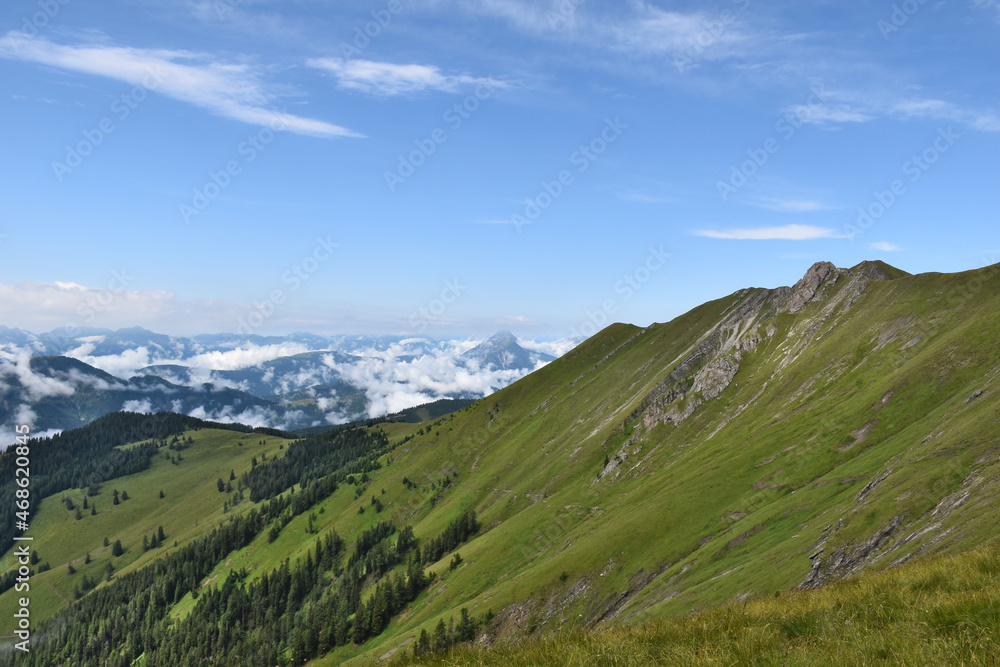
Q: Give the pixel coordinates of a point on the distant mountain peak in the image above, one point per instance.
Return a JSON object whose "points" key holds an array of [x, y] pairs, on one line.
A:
{"points": [[503, 336], [502, 351]]}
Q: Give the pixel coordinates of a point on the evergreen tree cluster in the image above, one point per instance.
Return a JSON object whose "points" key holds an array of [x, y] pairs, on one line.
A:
{"points": [[86, 456], [346, 452], [299, 611], [118, 622], [447, 636], [458, 531]]}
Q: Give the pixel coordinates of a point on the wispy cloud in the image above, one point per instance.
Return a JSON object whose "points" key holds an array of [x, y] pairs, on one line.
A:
{"points": [[635, 28], [784, 233], [390, 79], [859, 107], [829, 113], [884, 246], [641, 197], [792, 205], [227, 89], [989, 5]]}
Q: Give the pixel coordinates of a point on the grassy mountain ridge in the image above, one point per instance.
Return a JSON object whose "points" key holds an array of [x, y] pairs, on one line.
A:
{"points": [[769, 440], [848, 433]]}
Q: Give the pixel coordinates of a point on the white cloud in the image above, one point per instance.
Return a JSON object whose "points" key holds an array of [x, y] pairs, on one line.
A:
{"points": [[636, 27], [395, 378], [989, 5], [24, 415], [844, 106], [138, 406], [556, 348], [18, 365], [121, 365], [652, 30], [243, 357], [884, 246], [388, 79], [227, 89], [44, 306], [823, 114], [785, 233], [792, 205], [255, 416]]}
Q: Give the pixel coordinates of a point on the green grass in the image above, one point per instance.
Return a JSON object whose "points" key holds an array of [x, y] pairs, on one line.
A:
{"points": [[729, 504], [942, 611], [191, 506]]}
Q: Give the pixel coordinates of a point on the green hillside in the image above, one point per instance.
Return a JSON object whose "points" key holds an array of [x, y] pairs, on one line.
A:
{"points": [[191, 505], [763, 442], [941, 611]]}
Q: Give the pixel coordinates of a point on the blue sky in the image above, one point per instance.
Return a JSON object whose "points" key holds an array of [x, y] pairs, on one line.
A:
{"points": [[452, 167]]}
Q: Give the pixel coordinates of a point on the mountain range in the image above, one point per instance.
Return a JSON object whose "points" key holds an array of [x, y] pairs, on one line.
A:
{"points": [[55, 381], [770, 441]]}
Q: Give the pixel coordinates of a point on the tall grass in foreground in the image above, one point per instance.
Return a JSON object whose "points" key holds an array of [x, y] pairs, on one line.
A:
{"points": [[940, 611]]}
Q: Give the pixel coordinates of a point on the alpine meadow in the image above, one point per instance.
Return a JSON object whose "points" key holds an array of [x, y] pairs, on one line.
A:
{"points": [[509, 332], [788, 475]]}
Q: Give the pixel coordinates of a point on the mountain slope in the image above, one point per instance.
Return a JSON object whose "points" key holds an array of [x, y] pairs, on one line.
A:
{"points": [[837, 419], [768, 440]]}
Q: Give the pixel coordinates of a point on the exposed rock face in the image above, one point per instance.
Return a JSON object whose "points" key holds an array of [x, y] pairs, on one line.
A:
{"points": [[804, 290], [847, 559], [712, 364], [716, 376]]}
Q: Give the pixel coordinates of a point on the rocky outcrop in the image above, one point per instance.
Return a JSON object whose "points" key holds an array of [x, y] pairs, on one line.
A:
{"points": [[805, 290], [847, 559], [712, 364]]}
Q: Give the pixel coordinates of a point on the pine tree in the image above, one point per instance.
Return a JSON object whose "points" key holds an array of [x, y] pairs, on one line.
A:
{"points": [[340, 622], [440, 636], [422, 647], [465, 630], [161, 493], [117, 549], [79, 515], [145, 543], [93, 510], [114, 497], [124, 495], [361, 618], [159, 534], [379, 611]]}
